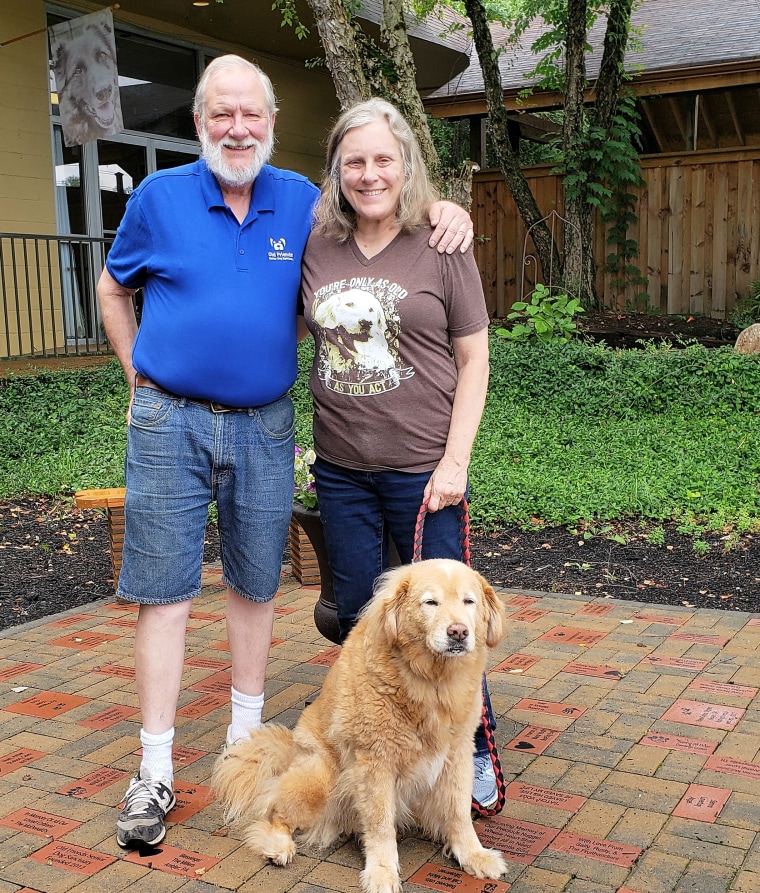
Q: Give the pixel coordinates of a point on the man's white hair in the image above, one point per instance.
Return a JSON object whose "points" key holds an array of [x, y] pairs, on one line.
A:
{"points": [[225, 63]]}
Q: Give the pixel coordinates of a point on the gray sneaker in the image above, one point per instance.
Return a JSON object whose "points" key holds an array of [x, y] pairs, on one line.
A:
{"points": [[484, 789], [146, 803]]}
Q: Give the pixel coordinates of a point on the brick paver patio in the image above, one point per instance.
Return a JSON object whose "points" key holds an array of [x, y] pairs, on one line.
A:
{"points": [[629, 735]]}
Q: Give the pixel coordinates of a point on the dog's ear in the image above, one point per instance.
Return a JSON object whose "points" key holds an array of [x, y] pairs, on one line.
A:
{"points": [[495, 614], [58, 53], [324, 315], [391, 590]]}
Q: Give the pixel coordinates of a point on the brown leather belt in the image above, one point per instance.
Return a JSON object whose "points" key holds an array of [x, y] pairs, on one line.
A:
{"points": [[142, 382]]}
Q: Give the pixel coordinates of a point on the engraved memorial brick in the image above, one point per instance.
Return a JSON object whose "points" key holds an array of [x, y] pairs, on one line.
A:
{"points": [[46, 704], [550, 708], [326, 658], [445, 879], [200, 707], [711, 716], [596, 609], [43, 824], [730, 766], [534, 739], [7, 673], [528, 793], [580, 669], [528, 615], [217, 683], [93, 783], [679, 743], [174, 860], [718, 641], [516, 663], [83, 640], [678, 663], [568, 635], [110, 717], [596, 848], [17, 759], [75, 859], [724, 688], [702, 803], [521, 601], [519, 841]]}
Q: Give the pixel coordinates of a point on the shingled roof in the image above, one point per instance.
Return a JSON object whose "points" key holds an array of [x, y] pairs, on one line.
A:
{"points": [[709, 48], [675, 34]]}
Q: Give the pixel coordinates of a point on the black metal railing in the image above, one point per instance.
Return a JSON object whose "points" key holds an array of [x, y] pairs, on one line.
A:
{"points": [[49, 302]]}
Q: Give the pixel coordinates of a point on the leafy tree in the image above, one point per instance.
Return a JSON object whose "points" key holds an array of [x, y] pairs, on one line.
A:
{"points": [[498, 124], [600, 161], [593, 143], [361, 69]]}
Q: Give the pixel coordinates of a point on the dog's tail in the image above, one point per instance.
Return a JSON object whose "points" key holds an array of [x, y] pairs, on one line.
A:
{"points": [[246, 775]]}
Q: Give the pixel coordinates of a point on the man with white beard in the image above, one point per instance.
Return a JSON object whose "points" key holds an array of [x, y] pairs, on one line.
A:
{"points": [[216, 247]]}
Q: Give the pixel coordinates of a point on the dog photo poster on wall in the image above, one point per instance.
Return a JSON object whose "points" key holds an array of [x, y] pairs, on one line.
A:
{"points": [[83, 53]]}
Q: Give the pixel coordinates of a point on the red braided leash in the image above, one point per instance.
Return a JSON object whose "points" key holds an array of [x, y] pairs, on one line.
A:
{"points": [[464, 527]]}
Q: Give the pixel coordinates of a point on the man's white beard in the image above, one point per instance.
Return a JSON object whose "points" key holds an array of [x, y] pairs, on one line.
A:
{"points": [[226, 173]]}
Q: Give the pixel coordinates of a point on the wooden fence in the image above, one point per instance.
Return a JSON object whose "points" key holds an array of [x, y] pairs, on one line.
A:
{"points": [[698, 234]]}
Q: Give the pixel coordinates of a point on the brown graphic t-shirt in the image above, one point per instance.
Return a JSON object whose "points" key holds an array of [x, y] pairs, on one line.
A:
{"points": [[384, 377]]}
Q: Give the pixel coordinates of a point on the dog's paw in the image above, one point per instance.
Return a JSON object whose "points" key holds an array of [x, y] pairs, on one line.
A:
{"points": [[380, 879], [484, 864], [273, 842]]}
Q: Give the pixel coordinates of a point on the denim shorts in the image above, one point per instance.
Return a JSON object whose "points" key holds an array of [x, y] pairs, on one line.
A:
{"points": [[180, 457]]}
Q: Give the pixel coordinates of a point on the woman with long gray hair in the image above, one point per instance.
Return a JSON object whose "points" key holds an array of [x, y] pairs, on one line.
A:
{"points": [[401, 364]]}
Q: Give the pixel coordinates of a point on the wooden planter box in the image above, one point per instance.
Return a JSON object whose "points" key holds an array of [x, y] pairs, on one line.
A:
{"points": [[303, 558], [112, 500]]}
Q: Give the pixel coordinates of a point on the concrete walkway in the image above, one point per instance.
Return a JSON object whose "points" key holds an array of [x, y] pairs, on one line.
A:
{"points": [[629, 735]]}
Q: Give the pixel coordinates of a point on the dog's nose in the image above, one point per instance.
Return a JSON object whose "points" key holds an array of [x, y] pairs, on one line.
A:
{"points": [[458, 632]]}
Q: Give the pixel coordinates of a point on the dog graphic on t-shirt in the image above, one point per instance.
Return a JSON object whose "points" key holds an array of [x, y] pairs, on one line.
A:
{"points": [[355, 331], [359, 355]]}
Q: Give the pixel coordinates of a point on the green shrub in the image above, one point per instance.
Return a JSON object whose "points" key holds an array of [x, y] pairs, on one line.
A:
{"points": [[546, 317], [571, 432], [63, 431], [301, 396], [574, 431], [747, 308]]}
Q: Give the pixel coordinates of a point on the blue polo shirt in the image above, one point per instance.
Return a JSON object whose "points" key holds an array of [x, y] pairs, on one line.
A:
{"points": [[219, 309]]}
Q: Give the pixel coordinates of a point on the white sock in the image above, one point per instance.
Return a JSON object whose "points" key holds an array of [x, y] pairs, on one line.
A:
{"points": [[157, 755], [246, 715]]}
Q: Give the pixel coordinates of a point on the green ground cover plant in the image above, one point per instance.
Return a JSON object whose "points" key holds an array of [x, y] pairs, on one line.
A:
{"points": [[572, 433]]}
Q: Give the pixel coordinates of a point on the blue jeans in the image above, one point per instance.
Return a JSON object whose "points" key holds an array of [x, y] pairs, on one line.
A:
{"points": [[362, 511], [180, 457]]}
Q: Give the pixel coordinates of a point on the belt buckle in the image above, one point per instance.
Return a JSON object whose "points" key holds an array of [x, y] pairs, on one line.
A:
{"points": [[218, 408]]}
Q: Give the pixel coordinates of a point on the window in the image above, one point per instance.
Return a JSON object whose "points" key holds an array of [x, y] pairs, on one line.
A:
{"points": [[156, 83]]}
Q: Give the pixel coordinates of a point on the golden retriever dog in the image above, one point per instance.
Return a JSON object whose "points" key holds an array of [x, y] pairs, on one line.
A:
{"points": [[388, 743]]}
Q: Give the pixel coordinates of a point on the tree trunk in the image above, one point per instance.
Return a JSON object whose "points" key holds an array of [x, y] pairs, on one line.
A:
{"points": [[342, 52], [407, 99], [578, 235], [611, 71], [498, 123], [608, 87]]}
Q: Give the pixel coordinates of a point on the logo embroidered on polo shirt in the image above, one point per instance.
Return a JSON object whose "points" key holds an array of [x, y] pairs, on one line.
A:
{"points": [[278, 251]]}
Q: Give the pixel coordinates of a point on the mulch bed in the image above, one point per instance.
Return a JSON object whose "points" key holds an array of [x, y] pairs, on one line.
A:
{"points": [[629, 330], [54, 557], [726, 577]]}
